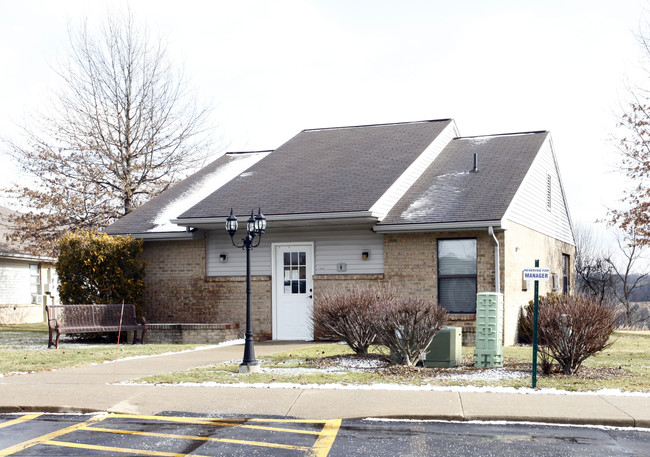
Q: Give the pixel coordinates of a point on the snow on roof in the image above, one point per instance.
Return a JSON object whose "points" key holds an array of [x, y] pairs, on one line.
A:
{"points": [[209, 183]]}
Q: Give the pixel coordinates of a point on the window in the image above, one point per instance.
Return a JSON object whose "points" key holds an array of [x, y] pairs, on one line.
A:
{"points": [[549, 193], [565, 273], [457, 275], [35, 279]]}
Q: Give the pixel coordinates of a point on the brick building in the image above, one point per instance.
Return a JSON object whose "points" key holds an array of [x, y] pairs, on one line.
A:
{"points": [[413, 205]]}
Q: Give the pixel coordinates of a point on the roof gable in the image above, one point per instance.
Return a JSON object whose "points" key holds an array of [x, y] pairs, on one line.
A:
{"points": [[540, 203]]}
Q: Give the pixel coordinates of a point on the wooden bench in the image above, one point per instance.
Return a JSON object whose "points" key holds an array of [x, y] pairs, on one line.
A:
{"points": [[92, 319]]}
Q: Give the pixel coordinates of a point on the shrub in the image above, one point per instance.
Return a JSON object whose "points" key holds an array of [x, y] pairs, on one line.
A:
{"points": [[571, 329], [348, 315], [97, 268], [525, 325], [407, 326]]}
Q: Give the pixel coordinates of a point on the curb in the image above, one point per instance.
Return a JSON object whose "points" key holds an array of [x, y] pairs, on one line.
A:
{"points": [[563, 421]]}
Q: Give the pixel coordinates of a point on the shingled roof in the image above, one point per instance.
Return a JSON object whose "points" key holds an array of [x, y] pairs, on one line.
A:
{"points": [[155, 215], [450, 191], [334, 170], [351, 172]]}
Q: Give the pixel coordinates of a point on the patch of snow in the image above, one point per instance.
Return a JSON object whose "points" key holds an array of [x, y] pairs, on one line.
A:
{"points": [[202, 189], [478, 141], [13, 373], [300, 371], [444, 184], [492, 374], [347, 363], [502, 422]]}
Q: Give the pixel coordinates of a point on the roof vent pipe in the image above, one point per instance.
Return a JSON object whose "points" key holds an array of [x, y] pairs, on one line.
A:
{"points": [[497, 267], [475, 169]]}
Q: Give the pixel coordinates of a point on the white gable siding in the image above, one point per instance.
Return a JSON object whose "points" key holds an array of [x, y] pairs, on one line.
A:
{"points": [[14, 283], [331, 247], [529, 207], [397, 190]]}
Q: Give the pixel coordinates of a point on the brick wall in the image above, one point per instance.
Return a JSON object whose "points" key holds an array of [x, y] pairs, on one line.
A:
{"points": [[177, 290], [411, 265], [191, 333]]}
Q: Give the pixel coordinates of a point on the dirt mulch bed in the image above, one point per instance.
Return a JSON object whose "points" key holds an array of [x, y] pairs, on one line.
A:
{"points": [[381, 364]]}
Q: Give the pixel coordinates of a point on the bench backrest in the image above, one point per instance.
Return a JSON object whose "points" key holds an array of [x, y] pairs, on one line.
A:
{"points": [[91, 315]]}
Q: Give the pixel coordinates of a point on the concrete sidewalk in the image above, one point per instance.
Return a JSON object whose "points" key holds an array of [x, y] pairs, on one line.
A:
{"points": [[90, 388]]}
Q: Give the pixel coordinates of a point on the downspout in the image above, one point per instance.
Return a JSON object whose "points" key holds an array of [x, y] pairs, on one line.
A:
{"points": [[497, 267]]}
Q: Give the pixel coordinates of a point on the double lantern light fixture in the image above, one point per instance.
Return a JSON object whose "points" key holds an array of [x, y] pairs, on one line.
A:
{"points": [[255, 227]]}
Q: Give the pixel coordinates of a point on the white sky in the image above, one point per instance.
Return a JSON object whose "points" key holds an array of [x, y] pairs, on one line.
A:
{"points": [[274, 68]]}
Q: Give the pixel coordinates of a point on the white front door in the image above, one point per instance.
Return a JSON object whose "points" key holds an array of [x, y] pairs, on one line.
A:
{"points": [[292, 291]]}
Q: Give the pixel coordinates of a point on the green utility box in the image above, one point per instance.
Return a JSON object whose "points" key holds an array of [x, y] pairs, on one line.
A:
{"points": [[489, 330], [445, 349]]}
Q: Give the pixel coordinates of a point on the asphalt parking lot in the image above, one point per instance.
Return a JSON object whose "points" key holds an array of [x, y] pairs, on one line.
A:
{"points": [[123, 434], [185, 434]]}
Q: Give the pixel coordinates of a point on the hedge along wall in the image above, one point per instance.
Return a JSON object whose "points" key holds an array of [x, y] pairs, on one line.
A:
{"points": [[97, 268]]}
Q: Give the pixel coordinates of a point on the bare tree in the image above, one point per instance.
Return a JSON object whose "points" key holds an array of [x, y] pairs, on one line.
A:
{"points": [[633, 141], [594, 271], [122, 128], [627, 278]]}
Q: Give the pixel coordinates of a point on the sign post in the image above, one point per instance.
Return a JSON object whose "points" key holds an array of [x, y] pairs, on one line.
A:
{"points": [[536, 274]]}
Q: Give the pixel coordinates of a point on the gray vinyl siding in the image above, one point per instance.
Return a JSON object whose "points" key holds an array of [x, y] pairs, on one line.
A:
{"points": [[331, 247], [530, 206]]}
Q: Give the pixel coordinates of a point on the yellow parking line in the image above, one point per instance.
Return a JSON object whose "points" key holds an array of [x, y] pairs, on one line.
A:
{"points": [[43, 438], [197, 438], [24, 418], [321, 447], [325, 440], [117, 449], [294, 421], [277, 429], [186, 420]]}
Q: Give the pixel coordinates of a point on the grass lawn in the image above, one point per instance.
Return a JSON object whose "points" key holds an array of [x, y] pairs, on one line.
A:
{"points": [[23, 348], [625, 365]]}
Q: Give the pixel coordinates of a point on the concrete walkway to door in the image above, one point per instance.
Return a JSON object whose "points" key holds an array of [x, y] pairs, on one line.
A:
{"points": [[90, 389]]}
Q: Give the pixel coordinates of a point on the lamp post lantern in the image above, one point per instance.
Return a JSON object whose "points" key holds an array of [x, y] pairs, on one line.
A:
{"points": [[255, 227]]}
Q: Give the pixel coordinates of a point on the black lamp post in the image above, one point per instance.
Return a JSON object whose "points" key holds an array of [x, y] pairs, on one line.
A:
{"points": [[254, 228]]}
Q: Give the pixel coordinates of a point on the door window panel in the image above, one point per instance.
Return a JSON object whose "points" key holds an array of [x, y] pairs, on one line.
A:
{"points": [[295, 272]]}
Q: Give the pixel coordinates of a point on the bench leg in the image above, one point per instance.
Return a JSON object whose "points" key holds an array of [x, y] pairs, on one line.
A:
{"points": [[50, 343], [58, 334]]}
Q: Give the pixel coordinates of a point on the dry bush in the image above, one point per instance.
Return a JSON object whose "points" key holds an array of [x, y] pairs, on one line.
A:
{"points": [[408, 325], [348, 315], [571, 329]]}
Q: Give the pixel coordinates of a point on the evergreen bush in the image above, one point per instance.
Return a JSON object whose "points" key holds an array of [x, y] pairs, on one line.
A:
{"points": [[94, 267]]}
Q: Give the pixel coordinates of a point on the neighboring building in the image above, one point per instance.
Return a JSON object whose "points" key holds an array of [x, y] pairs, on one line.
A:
{"points": [[27, 282], [412, 205]]}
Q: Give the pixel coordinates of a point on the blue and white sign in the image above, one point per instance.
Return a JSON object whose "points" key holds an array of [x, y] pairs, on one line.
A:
{"points": [[537, 274]]}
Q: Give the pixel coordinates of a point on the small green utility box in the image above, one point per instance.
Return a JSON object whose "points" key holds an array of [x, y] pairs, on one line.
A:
{"points": [[445, 349]]}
